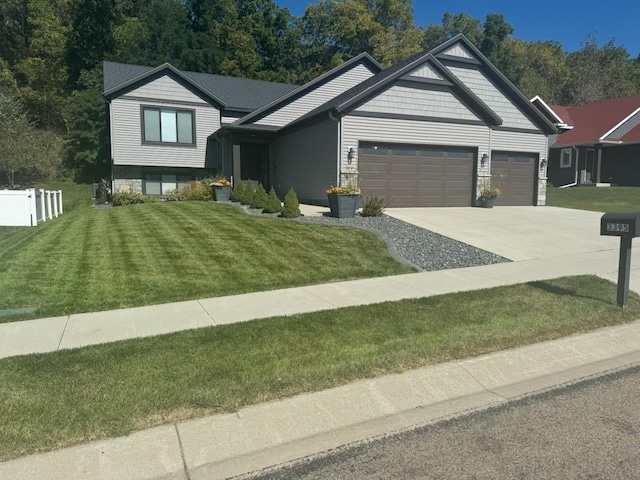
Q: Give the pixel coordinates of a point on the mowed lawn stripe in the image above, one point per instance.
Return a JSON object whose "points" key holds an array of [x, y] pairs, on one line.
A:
{"points": [[90, 260], [58, 399]]}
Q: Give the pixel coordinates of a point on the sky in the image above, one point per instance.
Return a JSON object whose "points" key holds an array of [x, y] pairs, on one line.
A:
{"points": [[567, 21]]}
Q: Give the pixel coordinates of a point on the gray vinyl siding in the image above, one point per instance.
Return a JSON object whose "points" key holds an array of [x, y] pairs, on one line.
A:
{"points": [[358, 129], [480, 85], [316, 97], [165, 88], [519, 142], [458, 51], [425, 72], [126, 126], [412, 101], [306, 159], [626, 127]]}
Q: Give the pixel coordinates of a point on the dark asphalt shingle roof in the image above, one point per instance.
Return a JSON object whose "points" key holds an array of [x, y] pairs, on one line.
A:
{"points": [[241, 93]]}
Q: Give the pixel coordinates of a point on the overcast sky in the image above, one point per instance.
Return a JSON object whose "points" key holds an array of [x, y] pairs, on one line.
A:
{"points": [[567, 21]]}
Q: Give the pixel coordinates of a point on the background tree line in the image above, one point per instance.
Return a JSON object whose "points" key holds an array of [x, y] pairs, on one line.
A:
{"points": [[53, 116]]}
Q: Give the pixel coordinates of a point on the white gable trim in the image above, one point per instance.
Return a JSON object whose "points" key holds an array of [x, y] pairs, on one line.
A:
{"points": [[626, 119]]}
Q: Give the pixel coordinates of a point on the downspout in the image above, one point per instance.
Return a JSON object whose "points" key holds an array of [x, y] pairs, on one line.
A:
{"points": [[339, 146], [576, 178]]}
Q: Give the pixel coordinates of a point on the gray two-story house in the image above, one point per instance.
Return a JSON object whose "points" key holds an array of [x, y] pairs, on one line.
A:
{"points": [[427, 131]]}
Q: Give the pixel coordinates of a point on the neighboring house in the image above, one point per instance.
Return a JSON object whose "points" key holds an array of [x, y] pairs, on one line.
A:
{"points": [[599, 142], [425, 132]]}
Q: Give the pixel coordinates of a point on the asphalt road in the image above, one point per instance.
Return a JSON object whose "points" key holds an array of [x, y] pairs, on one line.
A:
{"points": [[589, 430]]}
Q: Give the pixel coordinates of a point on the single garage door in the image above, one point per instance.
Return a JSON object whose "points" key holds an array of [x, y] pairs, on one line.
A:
{"points": [[417, 176], [515, 174]]}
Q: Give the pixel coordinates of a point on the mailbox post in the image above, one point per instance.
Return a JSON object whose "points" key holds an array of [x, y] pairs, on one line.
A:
{"points": [[625, 225]]}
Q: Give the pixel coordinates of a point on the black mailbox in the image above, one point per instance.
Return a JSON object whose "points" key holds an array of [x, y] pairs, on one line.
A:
{"points": [[625, 225], [620, 224]]}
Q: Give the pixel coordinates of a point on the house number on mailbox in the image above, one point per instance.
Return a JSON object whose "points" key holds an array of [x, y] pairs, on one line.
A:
{"points": [[617, 227]]}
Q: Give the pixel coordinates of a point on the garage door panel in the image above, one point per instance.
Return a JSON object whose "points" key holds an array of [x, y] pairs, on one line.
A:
{"points": [[516, 176], [419, 176]]}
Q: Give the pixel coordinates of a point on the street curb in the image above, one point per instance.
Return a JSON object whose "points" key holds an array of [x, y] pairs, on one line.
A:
{"points": [[278, 432]]}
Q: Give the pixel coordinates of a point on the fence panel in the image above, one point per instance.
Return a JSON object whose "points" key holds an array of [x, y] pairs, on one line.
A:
{"points": [[24, 208]]}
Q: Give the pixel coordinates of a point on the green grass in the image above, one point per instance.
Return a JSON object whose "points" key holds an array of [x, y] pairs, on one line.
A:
{"points": [[74, 195], [92, 260], [63, 398], [599, 199]]}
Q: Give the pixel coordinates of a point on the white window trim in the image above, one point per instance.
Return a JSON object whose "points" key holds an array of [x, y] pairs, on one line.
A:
{"points": [[564, 164]]}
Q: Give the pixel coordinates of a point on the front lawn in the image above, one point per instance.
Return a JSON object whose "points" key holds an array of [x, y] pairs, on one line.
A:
{"points": [[599, 199], [59, 399], [91, 260]]}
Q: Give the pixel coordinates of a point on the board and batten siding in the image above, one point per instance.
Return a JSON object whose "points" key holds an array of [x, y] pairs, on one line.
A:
{"points": [[458, 51], [425, 72], [306, 159], [421, 102], [481, 86], [126, 126], [357, 129], [316, 97]]}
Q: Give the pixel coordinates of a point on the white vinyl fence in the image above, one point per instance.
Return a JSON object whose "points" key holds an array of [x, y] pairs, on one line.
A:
{"points": [[28, 208]]}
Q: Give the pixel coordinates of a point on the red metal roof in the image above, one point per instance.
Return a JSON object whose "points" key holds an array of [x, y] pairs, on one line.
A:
{"points": [[590, 122]]}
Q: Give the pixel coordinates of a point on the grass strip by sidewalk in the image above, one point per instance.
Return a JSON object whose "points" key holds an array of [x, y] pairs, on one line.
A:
{"points": [[599, 199], [91, 260], [68, 397]]}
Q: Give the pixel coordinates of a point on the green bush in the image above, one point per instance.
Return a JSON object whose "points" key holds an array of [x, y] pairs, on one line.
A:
{"points": [[247, 198], [173, 196], [291, 208], [273, 203], [237, 195], [123, 198], [373, 206], [196, 190], [259, 198]]}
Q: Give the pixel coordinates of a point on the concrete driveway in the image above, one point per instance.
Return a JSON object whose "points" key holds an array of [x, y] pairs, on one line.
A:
{"points": [[517, 233]]}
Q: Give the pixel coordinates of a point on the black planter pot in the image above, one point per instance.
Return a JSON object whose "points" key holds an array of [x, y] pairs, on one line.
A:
{"points": [[343, 206], [221, 194], [486, 202]]}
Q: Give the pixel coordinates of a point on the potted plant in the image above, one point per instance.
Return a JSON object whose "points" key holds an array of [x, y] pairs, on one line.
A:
{"points": [[343, 201], [488, 193], [221, 190]]}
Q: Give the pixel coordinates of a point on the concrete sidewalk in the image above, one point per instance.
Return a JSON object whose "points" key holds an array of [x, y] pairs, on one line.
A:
{"points": [[78, 330], [260, 436]]}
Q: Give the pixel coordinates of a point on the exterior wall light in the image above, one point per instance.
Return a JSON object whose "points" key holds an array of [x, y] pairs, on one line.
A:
{"points": [[484, 159], [350, 154]]}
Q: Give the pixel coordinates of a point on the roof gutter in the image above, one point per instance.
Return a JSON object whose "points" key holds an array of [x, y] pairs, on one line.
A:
{"points": [[333, 118]]}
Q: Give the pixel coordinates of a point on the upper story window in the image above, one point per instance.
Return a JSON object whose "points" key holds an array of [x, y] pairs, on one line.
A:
{"points": [[169, 126], [565, 158]]}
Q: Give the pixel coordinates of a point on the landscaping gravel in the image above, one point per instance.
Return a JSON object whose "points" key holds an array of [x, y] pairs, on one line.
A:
{"points": [[420, 248], [415, 246]]}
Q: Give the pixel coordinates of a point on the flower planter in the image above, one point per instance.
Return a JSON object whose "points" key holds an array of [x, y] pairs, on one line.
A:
{"points": [[222, 193], [486, 202], [343, 205]]}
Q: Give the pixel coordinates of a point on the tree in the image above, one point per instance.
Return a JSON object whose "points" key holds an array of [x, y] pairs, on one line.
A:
{"points": [[597, 73], [87, 152], [18, 149], [495, 31], [91, 38]]}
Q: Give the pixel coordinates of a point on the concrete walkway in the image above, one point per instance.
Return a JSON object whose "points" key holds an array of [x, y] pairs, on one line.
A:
{"points": [[256, 437], [544, 242]]}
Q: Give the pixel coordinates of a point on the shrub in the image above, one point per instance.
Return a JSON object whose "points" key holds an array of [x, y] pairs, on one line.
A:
{"points": [[291, 208], [373, 206], [127, 197], [196, 190], [273, 203], [237, 195], [173, 196], [259, 198], [247, 198]]}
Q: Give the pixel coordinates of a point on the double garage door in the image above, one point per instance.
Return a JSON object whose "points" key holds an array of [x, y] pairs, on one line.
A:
{"points": [[427, 176], [411, 176]]}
